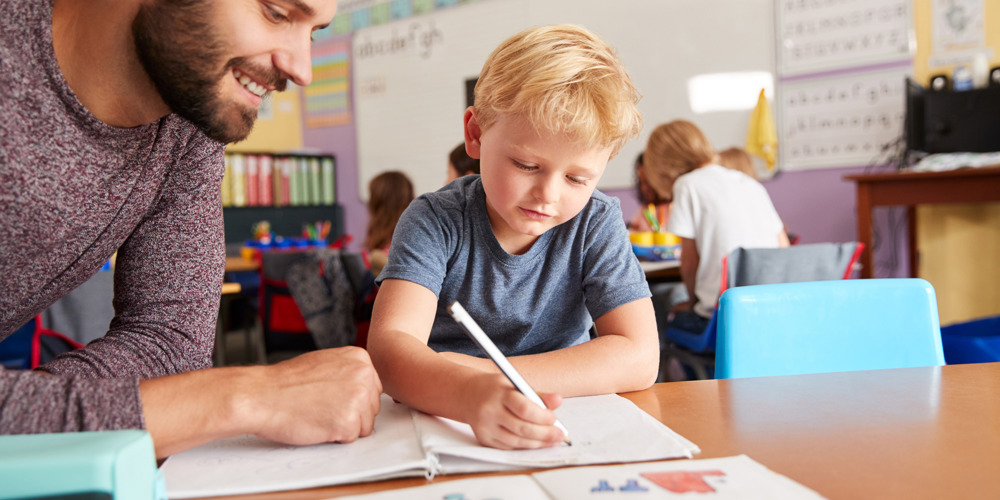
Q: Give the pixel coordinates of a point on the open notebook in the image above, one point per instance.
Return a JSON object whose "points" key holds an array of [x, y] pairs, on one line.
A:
{"points": [[605, 429]]}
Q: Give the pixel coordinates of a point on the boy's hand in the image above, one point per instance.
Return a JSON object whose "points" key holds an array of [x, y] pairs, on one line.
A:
{"points": [[503, 418]]}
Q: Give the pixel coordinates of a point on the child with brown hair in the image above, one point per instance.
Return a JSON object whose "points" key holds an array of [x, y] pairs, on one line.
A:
{"points": [[534, 253], [738, 159], [715, 210], [389, 193], [461, 164]]}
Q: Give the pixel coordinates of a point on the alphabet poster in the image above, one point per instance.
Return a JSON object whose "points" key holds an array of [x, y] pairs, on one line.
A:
{"points": [[841, 121], [841, 91]]}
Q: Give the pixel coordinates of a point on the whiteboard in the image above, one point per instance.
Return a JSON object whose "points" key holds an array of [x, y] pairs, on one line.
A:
{"points": [[409, 75]]}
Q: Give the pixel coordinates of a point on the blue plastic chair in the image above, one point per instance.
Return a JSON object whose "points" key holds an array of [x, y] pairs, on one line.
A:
{"points": [[827, 326]]}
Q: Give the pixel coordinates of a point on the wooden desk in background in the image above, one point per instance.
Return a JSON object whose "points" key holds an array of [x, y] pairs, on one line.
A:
{"points": [[662, 271], [238, 263], [964, 185], [889, 434]]}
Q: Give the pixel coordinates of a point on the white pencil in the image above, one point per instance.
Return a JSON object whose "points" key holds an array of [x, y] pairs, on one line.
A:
{"points": [[483, 341]]}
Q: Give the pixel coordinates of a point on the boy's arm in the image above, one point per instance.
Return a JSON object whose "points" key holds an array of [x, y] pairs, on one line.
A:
{"points": [[415, 375], [626, 337]]}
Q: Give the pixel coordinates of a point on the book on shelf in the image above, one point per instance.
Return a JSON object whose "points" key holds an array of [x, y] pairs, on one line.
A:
{"points": [[265, 180], [405, 442]]}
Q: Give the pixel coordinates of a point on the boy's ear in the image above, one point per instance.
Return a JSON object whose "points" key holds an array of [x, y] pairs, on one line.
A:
{"points": [[473, 133]]}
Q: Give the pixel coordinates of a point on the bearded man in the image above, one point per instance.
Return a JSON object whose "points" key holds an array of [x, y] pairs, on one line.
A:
{"points": [[113, 119]]}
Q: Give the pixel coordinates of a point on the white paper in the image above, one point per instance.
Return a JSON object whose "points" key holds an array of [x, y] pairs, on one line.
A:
{"points": [[718, 478], [248, 464], [604, 429]]}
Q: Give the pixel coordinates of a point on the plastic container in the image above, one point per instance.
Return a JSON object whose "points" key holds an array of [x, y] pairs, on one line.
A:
{"points": [[972, 342]]}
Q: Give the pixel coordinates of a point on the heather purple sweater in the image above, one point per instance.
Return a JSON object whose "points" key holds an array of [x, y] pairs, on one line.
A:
{"points": [[73, 190]]}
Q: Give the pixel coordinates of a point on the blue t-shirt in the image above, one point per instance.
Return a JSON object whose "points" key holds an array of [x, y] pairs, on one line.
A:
{"points": [[537, 302]]}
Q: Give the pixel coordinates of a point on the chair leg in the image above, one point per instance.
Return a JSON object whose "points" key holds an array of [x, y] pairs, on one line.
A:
{"points": [[699, 364]]}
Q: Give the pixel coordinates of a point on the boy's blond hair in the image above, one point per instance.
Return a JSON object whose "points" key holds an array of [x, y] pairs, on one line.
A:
{"points": [[562, 79], [673, 150]]}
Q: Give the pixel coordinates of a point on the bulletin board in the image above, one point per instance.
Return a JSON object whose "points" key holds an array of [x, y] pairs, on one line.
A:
{"points": [[409, 75]]}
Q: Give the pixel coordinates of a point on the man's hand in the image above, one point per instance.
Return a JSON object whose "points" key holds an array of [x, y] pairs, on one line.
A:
{"points": [[319, 397]]}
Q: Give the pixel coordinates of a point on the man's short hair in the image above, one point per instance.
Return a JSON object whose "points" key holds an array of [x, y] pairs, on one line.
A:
{"points": [[562, 79]]}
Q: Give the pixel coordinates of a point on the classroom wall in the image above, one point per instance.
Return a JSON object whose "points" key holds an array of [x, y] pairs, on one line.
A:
{"points": [[818, 205]]}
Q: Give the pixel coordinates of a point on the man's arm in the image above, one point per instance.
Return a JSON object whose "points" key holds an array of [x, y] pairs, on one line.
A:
{"points": [[168, 279], [318, 397], [415, 375]]}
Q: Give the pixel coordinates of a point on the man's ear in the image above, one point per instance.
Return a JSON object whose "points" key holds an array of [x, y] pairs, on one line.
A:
{"points": [[473, 133]]}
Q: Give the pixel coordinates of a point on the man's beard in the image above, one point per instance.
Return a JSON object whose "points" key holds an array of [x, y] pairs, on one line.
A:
{"points": [[183, 56]]}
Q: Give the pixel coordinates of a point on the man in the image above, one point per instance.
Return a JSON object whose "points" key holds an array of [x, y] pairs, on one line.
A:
{"points": [[113, 118]]}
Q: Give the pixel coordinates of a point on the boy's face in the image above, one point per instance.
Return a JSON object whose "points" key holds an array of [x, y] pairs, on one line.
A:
{"points": [[534, 181], [213, 61]]}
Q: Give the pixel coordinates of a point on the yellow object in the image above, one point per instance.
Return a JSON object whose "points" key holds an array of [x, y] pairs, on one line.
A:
{"points": [[762, 137], [641, 238], [665, 239], [247, 252]]}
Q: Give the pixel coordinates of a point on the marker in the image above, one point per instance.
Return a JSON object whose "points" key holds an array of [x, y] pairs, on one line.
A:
{"points": [[483, 341]]}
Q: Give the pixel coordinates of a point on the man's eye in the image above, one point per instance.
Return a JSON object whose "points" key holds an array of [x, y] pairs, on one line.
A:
{"points": [[274, 14]]}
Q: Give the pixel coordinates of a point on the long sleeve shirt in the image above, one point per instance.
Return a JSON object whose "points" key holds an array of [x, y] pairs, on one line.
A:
{"points": [[73, 190]]}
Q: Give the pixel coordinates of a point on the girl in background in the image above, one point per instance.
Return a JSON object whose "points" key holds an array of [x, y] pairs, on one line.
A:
{"points": [[389, 193], [714, 211]]}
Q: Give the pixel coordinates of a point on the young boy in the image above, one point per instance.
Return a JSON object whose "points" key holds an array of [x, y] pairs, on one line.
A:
{"points": [[528, 247]]}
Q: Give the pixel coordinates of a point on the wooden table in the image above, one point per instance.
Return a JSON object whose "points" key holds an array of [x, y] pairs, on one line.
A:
{"points": [[662, 271], [909, 433], [238, 263], [964, 185]]}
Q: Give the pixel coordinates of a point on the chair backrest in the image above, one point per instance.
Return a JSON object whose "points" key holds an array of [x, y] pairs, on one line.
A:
{"points": [[813, 262], [827, 326]]}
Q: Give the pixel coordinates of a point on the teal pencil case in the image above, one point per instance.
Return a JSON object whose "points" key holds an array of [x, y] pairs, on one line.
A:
{"points": [[112, 465]]}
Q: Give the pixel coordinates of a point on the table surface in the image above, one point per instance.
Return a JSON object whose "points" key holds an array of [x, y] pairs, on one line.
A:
{"points": [[888, 434]]}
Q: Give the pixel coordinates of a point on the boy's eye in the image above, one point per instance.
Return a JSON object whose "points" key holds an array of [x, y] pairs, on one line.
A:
{"points": [[523, 166], [577, 180]]}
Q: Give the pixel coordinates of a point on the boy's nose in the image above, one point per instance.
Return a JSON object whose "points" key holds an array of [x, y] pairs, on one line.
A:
{"points": [[547, 189]]}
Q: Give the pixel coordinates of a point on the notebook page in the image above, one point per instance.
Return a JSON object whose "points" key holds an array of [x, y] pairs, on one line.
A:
{"points": [[604, 429], [733, 478], [492, 488], [248, 464]]}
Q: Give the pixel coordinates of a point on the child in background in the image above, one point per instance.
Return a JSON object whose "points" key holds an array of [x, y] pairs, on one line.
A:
{"points": [[738, 159], [461, 164], [389, 193], [646, 196], [531, 250], [714, 211]]}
